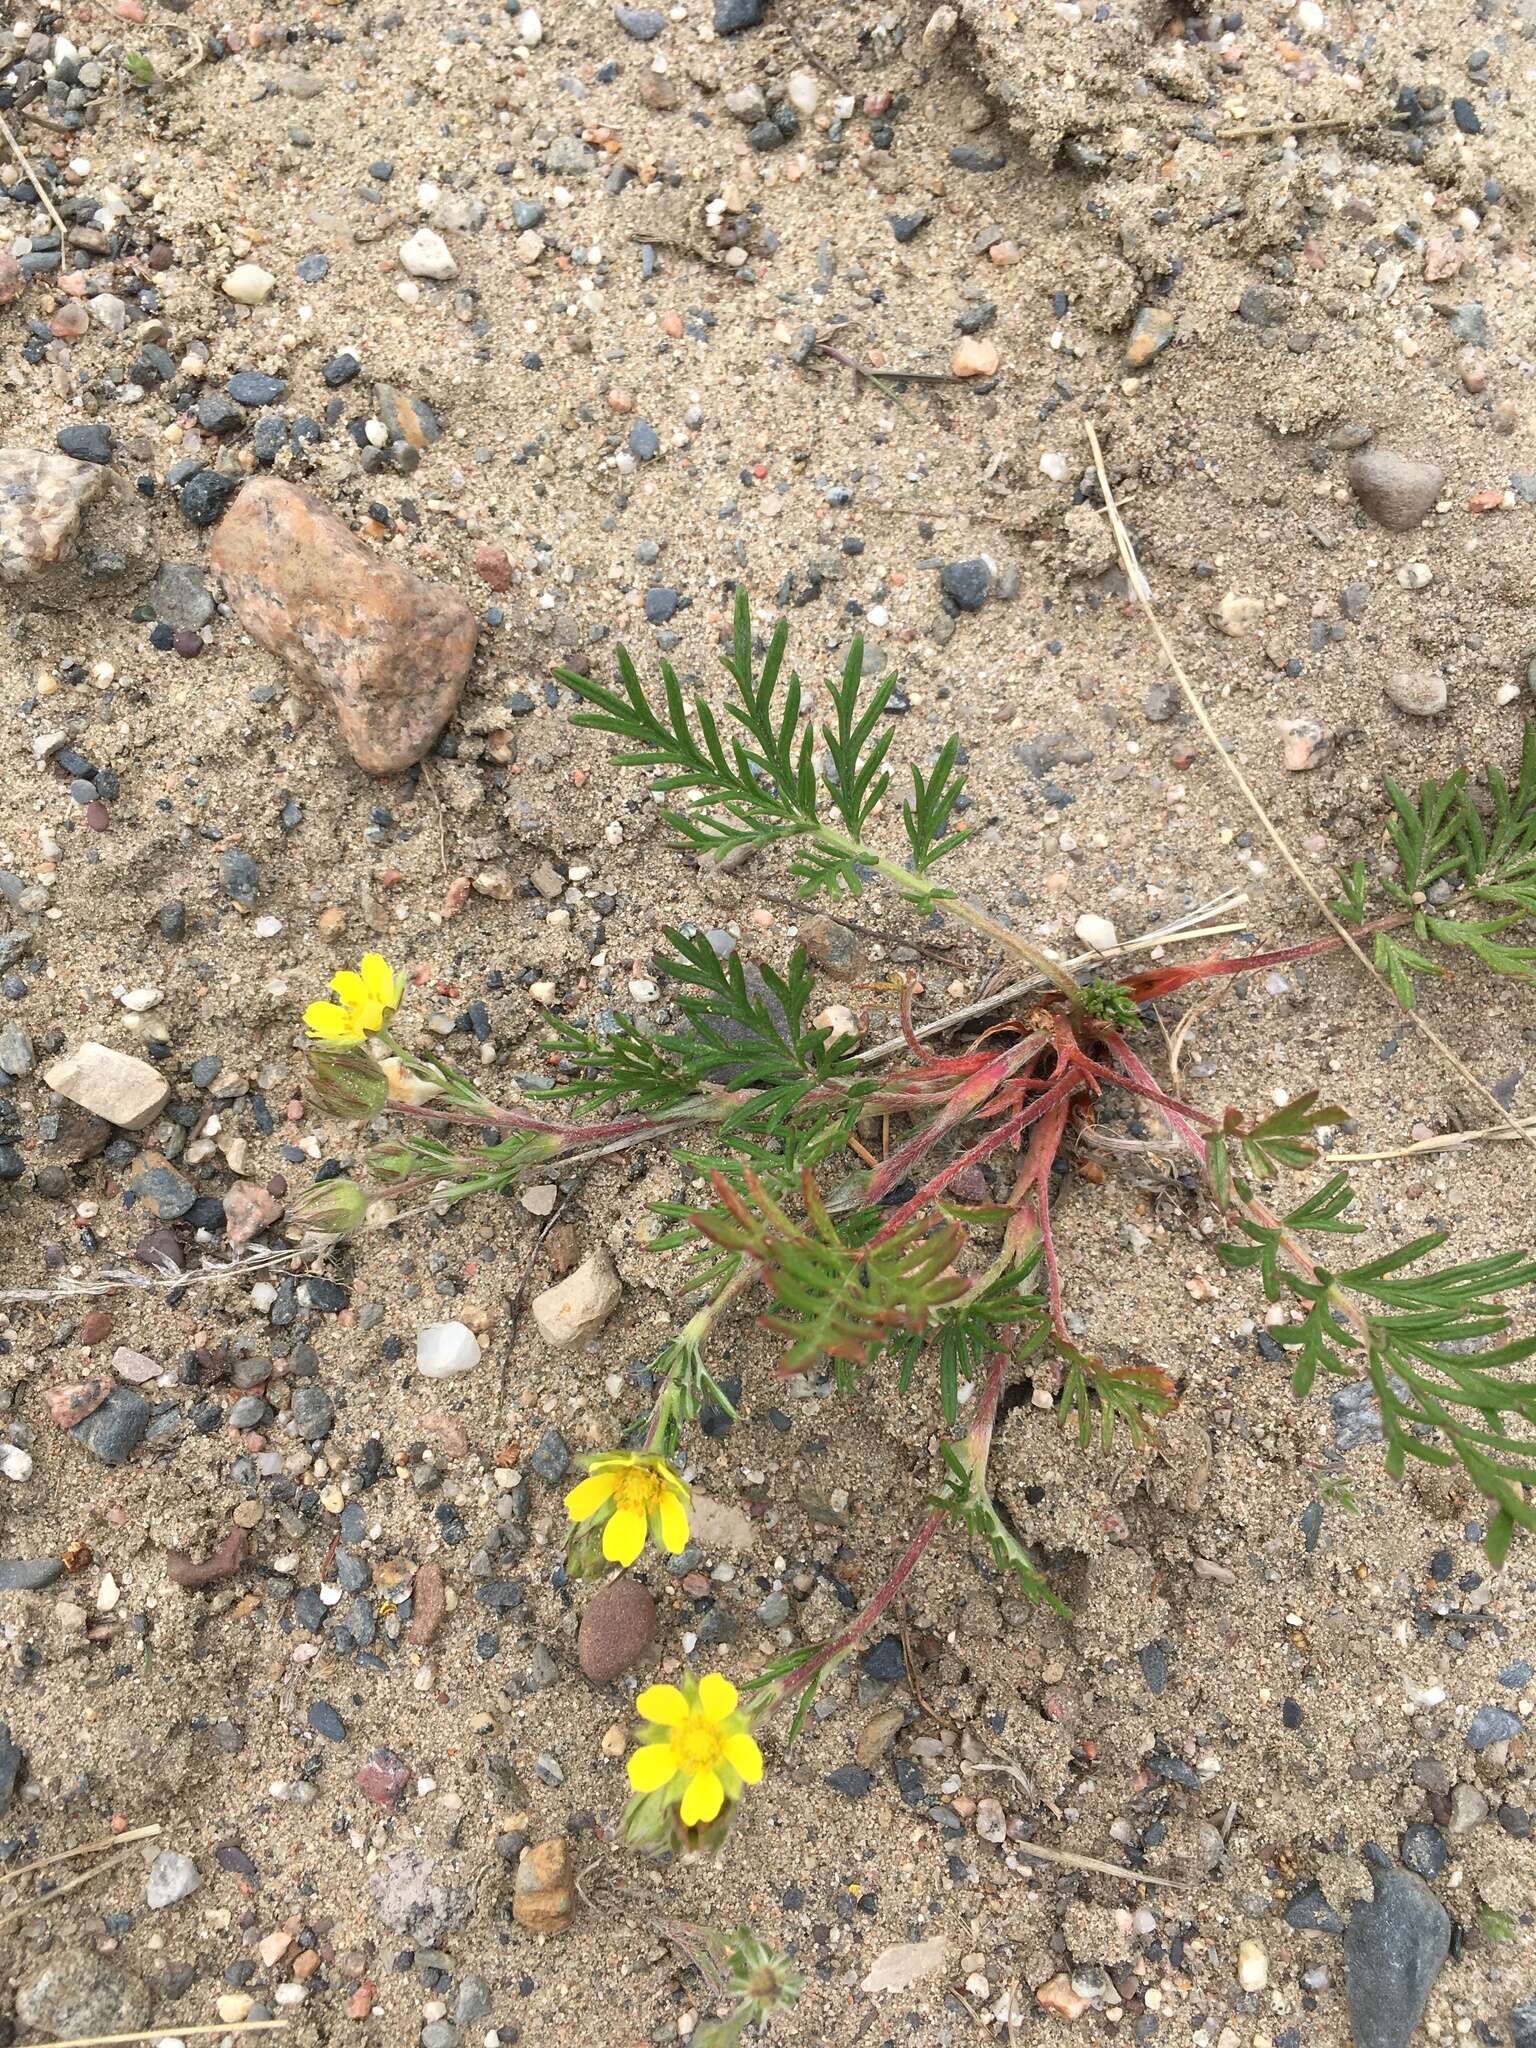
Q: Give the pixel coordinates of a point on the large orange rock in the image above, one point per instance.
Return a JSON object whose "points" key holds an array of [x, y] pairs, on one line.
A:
{"points": [[390, 650]]}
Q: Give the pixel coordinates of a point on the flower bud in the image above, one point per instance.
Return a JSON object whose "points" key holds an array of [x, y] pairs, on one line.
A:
{"points": [[331, 1207], [346, 1084], [394, 1161]]}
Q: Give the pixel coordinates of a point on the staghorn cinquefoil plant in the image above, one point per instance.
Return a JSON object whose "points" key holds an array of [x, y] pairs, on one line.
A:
{"points": [[856, 1256]]}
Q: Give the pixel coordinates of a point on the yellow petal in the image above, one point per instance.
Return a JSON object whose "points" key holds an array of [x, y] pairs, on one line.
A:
{"points": [[652, 1766], [702, 1801], [624, 1536], [663, 1704], [744, 1757], [377, 978], [672, 1524], [717, 1696], [588, 1497], [349, 987], [332, 1023]]}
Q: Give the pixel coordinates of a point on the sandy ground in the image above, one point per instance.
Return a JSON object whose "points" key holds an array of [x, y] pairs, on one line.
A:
{"points": [[1315, 1678]]}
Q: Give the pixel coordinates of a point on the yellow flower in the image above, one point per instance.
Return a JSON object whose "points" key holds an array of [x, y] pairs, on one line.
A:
{"points": [[333, 1024], [700, 1752], [633, 1492], [368, 997]]}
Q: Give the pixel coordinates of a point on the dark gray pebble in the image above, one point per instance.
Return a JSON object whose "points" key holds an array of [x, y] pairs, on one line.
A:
{"points": [[1310, 1913], [117, 1427], [1490, 1725], [204, 497], [218, 415], [645, 24], [255, 387], [313, 1412], [11, 1762], [240, 877], [967, 584], [169, 1193], [884, 1659], [1262, 306], [732, 16], [644, 441], [505, 1596], [1423, 1849], [1153, 1660], [28, 1574], [1394, 1947], [965, 156], [851, 1779], [660, 605], [325, 1720], [87, 443], [551, 1457]]}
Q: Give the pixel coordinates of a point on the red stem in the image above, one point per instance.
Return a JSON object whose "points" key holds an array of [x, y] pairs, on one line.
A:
{"points": [[966, 1101], [1162, 981], [1004, 1134], [1178, 1114], [1041, 1157], [977, 1438]]}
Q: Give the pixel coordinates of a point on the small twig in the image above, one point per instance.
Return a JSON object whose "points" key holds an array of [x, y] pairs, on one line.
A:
{"points": [[938, 948], [1070, 1860], [1267, 128], [1183, 930], [911, 1668], [60, 1891], [85, 1849], [1142, 591], [167, 1277], [1181, 1030], [870, 377], [1449, 1141], [49, 121], [442, 827], [37, 184]]}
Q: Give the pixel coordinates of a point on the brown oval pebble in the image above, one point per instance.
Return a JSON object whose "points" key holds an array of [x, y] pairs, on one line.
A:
{"points": [[97, 816], [1394, 490], [618, 1625], [188, 644], [98, 1324]]}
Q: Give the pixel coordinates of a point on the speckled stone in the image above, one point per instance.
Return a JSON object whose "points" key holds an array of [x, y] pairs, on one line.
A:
{"points": [[69, 531], [391, 650]]}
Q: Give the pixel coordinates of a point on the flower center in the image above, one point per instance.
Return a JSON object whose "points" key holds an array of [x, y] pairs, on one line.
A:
{"points": [[698, 1744], [636, 1492]]}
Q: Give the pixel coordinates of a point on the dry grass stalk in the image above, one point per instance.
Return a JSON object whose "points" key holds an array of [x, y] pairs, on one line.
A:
{"points": [[1142, 590]]}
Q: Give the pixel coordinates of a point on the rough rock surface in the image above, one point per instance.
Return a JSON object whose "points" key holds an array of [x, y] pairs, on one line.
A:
{"points": [[391, 650], [49, 546]]}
